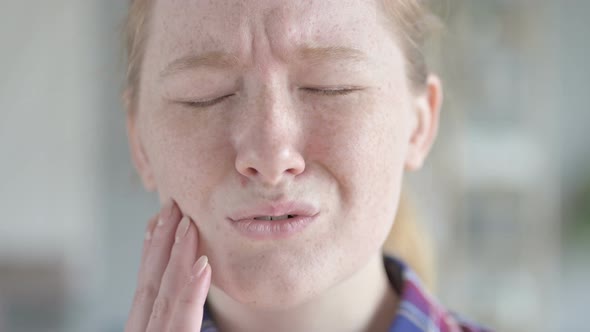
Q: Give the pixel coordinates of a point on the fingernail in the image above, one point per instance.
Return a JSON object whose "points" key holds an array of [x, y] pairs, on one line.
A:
{"points": [[200, 266], [165, 212], [149, 230], [182, 229]]}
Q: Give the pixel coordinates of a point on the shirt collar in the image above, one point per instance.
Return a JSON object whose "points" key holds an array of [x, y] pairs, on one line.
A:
{"points": [[418, 310]]}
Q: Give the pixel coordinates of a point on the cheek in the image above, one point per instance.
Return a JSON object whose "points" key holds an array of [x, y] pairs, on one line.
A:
{"points": [[188, 153], [365, 153], [363, 145]]}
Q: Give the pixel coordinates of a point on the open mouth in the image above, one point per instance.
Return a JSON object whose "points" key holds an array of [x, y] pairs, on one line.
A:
{"points": [[271, 218], [272, 227]]}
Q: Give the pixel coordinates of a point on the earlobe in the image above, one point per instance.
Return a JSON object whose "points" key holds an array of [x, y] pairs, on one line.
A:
{"points": [[138, 155], [427, 108]]}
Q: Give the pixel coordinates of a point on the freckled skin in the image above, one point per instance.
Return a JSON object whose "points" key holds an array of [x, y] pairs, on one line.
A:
{"points": [[345, 154]]}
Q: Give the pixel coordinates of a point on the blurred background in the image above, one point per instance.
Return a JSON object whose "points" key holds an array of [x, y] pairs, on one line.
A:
{"points": [[505, 194]]}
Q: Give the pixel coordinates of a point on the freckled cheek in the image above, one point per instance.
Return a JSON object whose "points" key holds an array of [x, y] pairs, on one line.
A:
{"points": [[187, 160], [361, 151], [349, 145], [336, 145]]}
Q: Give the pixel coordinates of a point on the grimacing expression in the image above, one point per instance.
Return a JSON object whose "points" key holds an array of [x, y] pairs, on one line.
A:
{"points": [[249, 102]]}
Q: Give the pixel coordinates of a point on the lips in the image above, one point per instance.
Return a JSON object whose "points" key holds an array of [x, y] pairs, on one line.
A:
{"points": [[271, 218], [272, 212], [274, 221]]}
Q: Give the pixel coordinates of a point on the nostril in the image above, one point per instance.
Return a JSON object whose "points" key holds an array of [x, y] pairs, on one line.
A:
{"points": [[269, 167], [251, 171], [294, 171]]}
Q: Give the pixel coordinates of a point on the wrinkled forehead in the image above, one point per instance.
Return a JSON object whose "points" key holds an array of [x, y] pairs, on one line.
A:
{"points": [[236, 26]]}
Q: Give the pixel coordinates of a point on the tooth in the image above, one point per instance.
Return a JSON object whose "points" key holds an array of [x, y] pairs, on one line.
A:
{"points": [[270, 218]]}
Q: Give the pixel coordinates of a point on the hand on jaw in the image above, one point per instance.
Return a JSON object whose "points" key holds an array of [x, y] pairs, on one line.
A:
{"points": [[173, 279]]}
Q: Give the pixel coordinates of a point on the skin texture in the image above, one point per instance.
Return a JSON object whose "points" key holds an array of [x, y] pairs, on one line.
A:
{"points": [[272, 135]]}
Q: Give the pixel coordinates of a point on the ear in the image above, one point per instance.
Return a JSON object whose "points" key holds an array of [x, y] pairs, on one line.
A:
{"points": [[427, 108], [138, 155]]}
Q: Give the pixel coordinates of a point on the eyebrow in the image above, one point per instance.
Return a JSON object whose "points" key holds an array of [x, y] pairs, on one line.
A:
{"points": [[321, 54], [216, 59], [222, 60]]}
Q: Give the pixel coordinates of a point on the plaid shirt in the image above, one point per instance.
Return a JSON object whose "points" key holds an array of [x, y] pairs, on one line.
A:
{"points": [[418, 311]]}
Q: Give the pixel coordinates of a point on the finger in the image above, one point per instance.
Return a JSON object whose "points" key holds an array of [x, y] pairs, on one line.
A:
{"points": [[133, 314], [178, 271], [158, 251], [147, 238], [156, 259], [188, 310]]}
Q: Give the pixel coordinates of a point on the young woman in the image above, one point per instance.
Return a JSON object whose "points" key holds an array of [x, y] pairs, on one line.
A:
{"points": [[276, 134]]}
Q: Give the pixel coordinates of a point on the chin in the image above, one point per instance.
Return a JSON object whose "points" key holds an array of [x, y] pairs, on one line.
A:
{"points": [[272, 286]]}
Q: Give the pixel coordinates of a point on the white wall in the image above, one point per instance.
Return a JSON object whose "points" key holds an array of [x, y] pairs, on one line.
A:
{"points": [[50, 144], [46, 132]]}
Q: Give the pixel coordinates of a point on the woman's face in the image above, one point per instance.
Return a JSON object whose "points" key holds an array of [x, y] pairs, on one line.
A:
{"points": [[267, 103]]}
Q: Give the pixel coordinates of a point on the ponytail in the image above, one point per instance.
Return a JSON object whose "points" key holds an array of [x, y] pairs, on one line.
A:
{"points": [[409, 242]]}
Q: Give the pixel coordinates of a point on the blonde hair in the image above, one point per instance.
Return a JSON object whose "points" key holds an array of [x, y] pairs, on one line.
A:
{"points": [[409, 241], [412, 21]]}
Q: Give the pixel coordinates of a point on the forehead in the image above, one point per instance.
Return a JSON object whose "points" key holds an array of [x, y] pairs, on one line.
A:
{"points": [[236, 26]]}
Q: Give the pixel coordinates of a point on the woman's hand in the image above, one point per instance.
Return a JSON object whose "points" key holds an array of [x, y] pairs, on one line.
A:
{"points": [[172, 284]]}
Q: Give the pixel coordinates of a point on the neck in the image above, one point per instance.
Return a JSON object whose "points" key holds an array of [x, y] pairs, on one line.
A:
{"points": [[364, 302]]}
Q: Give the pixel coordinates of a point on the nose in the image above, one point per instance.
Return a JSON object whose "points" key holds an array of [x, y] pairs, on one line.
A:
{"points": [[268, 137]]}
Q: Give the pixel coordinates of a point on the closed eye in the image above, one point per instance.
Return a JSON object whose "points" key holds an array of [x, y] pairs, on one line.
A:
{"points": [[205, 103], [331, 91]]}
